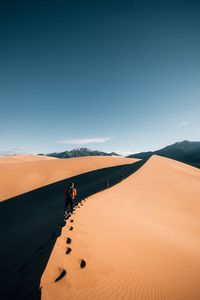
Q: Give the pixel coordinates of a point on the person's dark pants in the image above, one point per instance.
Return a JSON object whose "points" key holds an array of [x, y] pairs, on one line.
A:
{"points": [[69, 201]]}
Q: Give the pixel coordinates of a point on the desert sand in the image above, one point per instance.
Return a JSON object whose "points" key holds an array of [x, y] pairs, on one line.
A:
{"points": [[140, 240], [23, 173], [31, 222], [23, 158]]}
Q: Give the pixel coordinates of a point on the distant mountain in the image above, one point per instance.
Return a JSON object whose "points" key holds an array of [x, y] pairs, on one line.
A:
{"points": [[80, 152], [187, 152]]}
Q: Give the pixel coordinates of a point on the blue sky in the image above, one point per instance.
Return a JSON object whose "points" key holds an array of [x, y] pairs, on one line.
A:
{"points": [[109, 75]]}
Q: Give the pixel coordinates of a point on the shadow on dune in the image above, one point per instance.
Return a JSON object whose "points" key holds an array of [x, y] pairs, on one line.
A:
{"points": [[30, 224]]}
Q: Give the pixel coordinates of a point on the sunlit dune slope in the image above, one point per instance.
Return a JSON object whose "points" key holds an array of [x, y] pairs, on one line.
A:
{"points": [[23, 158], [19, 174], [140, 240]]}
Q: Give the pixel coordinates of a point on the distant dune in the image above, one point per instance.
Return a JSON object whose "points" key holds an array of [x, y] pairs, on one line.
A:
{"points": [[137, 240], [23, 158], [22, 173]]}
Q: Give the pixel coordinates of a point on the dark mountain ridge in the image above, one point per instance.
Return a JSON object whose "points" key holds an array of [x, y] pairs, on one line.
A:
{"points": [[185, 151], [80, 152]]}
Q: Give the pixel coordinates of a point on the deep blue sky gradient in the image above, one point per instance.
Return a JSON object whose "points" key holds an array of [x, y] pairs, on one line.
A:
{"points": [[127, 70]]}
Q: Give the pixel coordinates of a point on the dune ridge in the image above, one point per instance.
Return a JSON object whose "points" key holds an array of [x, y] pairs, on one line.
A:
{"points": [[24, 158], [20, 174], [28, 238], [140, 239]]}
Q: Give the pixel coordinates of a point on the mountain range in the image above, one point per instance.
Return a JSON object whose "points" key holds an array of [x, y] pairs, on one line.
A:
{"points": [[185, 151], [80, 152]]}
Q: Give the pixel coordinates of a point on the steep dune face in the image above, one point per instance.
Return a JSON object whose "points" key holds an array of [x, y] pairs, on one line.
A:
{"points": [[20, 174], [140, 239]]}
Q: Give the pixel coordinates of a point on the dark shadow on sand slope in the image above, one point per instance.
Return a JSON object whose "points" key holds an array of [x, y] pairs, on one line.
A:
{"points": [[30, 224]]}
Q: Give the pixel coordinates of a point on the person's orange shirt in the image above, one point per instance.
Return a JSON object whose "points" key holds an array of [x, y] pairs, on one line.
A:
{"points": [[74, 193]]}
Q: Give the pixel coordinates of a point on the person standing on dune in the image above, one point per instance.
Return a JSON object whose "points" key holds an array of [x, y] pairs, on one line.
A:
{"points": [[70, 194], [106, 183]]}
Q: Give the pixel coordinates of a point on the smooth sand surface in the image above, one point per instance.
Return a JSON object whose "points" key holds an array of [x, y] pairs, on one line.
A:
{"points": [[20, 174], [23, 158], [140, 240]]}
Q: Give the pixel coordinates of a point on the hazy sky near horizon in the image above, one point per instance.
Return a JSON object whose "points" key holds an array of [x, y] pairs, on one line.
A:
{"points": [[108, 75]]}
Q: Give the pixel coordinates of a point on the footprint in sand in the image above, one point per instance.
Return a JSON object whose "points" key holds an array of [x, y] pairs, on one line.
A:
{"points": [[68, 241], [71, 228], [71, 221], [83, 263], [62, 274], [68, 250], [68, 216]]}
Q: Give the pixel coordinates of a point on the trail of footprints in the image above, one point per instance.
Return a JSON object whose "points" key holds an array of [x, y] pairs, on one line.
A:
{"points": [[63, 272]]}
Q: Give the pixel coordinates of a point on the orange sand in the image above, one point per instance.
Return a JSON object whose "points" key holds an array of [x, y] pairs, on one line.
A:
{"points": [[140, 240], [23, 158], [20, 173]]}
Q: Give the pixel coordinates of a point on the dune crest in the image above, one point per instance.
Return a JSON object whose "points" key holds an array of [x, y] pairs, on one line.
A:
{"points": [[140, 239], [21, 173], [23, 158]]}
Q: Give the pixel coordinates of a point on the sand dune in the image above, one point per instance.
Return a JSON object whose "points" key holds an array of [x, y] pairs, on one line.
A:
{"points": [[24, 158], [28, 237], [139, 239], [20, 174]]}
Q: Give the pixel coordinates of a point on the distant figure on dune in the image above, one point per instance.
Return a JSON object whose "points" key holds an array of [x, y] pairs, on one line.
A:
{"points": [[70, 194], [107, 183]]}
